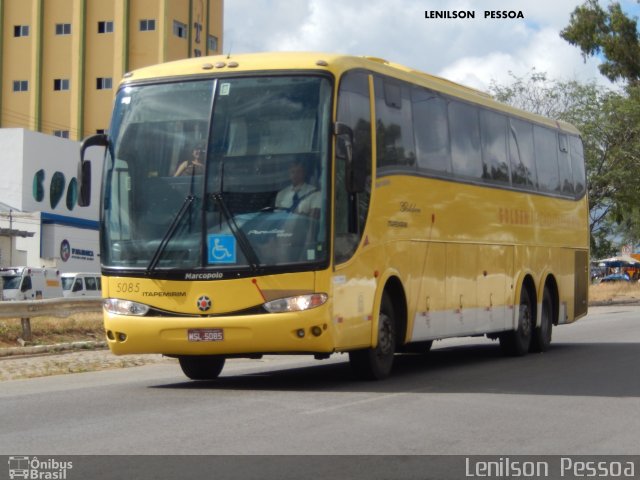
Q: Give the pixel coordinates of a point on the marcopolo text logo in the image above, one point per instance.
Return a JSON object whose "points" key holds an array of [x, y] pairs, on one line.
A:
{"points": [[38, 469]]}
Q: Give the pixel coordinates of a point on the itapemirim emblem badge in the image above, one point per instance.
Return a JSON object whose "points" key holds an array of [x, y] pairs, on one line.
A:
{"points": [[204, 303]]}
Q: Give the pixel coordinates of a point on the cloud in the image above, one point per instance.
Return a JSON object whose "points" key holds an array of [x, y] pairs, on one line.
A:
{"points": [[471, 51], [545, 52]]}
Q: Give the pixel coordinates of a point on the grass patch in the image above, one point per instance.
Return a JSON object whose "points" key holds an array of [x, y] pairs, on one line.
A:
{"points": [[614, 291], [50, 330]]}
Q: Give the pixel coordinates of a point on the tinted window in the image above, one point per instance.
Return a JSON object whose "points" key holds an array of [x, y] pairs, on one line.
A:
{"points": [[394, 124], [494, 146], [465, 140], [431, 130], [523, 170], [564, 165], [577, 165], [351, 209], [546, 148], [90, 283]]}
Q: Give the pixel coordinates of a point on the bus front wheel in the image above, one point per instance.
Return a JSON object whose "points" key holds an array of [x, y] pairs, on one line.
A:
{"points": [[375, 363], [516, 342], [201, 367]]}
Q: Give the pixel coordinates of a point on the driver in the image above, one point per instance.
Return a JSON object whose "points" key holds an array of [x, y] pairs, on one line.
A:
{"points": [[299, 197]]}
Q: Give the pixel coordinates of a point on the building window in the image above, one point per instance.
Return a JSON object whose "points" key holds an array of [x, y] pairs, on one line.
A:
{"points": [[147, 25], [61, 133], [63, 29], [61, 84], [212, 43], [21, 31], [20, 85], [105, 27], [179, 29], [103, 83]]}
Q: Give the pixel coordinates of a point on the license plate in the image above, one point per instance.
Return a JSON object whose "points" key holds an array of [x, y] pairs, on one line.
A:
{"points": [[205, 335]]}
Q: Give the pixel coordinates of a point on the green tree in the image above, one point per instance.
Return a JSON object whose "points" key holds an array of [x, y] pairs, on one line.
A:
{"points": [[609, 122], [609, 33]]}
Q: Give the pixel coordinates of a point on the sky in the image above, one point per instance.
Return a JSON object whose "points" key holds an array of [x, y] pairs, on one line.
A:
{"points": [[474, 52]]}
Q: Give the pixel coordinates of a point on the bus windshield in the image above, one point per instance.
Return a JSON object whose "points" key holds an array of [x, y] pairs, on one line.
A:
{"points": [[227, 173]]}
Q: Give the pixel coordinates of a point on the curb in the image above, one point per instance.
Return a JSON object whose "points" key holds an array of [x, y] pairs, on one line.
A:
{"points": [[611, 303], [55, 348]]}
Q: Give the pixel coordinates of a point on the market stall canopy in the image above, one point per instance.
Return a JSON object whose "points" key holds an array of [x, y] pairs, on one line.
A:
{"points": [[619, 261]]}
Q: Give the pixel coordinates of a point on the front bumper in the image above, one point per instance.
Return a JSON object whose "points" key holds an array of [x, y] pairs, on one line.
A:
{"points": [[309, 331]]}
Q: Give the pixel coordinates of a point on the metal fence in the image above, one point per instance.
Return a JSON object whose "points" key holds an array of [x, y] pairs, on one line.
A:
{"points": [[52, 307]]}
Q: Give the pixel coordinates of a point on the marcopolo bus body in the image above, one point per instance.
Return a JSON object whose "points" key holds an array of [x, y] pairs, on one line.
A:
{"points": [[316, 203]]}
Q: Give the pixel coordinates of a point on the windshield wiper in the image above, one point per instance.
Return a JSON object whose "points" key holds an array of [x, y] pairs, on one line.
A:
{"points": [[186, 204], [243, 241]]}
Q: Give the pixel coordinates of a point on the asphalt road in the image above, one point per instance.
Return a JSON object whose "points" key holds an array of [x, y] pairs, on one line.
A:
{"points": [[580, 397]]}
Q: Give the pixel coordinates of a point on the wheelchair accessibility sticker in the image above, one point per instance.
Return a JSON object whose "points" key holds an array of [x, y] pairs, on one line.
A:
{"points": [[222, 248]]}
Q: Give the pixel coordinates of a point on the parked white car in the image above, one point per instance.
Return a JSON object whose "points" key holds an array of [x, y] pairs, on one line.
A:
{"points": [[81, 285]]}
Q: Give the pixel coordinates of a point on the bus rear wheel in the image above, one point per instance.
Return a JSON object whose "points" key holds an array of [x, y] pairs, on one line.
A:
{"points": [[202, 367], [542, 335], [375, 363], [517, 342]]}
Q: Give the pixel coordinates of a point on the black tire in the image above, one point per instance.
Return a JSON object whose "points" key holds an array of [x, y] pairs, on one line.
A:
{"points": [[516, 342], [376, 363], [202, 367], [541, 338]]}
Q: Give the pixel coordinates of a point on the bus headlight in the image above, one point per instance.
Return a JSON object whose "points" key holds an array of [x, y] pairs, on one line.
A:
{"points": [[125, 307], [296, 304]]}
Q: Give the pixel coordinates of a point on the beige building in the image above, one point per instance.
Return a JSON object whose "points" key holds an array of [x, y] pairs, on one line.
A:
{"points": [[61, 60]]}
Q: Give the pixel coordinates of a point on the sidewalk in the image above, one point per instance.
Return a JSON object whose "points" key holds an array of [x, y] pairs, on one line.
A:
{"points": [[72, 361]]}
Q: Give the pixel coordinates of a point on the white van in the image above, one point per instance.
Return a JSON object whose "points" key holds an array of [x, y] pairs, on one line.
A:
{"points": [[81, 285], [26, 283]]}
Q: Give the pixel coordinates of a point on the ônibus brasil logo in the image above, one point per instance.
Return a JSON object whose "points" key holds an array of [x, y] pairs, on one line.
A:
{"points": [[34, 468]]}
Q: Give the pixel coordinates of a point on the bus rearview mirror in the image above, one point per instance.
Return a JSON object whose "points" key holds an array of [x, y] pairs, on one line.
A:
{"points": [[84, 167]]}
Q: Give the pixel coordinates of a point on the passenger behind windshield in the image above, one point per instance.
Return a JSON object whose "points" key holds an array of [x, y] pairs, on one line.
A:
{"points": [[194, 165], [299, 197]]}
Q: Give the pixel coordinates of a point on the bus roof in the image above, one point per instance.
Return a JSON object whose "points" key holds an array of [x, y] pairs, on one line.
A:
{"points": [[327, 62]]}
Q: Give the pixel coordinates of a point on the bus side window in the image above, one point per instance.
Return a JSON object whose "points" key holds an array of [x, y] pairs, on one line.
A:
{"points": [[394, 130], [431, 131], [564, 163], [465, 140], [523, 169], [577, 165], [494, 147], [351, 209], [546, 148]]}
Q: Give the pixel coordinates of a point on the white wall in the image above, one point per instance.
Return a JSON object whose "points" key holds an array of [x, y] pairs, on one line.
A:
{"points": [[57, 158], [22, 155], [11, 179]]}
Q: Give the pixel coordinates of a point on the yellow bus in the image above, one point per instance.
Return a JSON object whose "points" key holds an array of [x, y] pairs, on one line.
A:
{"points": [[311, 203]]}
